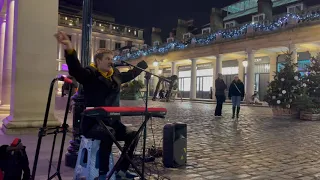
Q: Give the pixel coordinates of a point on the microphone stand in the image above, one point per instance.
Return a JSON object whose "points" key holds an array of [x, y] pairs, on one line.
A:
{"points": [[147, 78]]}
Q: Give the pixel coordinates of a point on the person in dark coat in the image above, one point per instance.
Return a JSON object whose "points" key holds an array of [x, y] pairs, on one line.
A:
{"points": [[236, 94], [220, 94], [101, 84]]}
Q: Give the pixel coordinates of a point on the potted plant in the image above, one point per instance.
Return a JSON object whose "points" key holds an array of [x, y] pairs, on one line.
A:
{"points": [[131, 90], [284, 89], [308, 107]]}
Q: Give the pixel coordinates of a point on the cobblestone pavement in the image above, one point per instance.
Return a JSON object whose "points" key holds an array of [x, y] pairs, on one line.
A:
{"points": [[254, 147]]}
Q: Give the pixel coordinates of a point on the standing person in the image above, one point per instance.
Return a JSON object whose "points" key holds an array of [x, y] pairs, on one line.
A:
{"points": [[101, 83], [236, 94], [220, 94]]}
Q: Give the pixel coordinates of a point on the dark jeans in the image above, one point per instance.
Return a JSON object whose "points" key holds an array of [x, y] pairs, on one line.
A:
{"points": [[220, 100], [122, 133]]}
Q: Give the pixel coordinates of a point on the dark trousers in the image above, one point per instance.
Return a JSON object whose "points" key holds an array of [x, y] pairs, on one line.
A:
{"points": [[122, 133], [220, 100]]}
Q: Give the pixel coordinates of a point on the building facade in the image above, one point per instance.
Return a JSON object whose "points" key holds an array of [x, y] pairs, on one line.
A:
{"points": [[247, 38], [105, 34]]}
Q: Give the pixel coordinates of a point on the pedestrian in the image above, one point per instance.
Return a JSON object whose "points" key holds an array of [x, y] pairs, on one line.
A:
{"points": [[236, 94], [220, 94]]}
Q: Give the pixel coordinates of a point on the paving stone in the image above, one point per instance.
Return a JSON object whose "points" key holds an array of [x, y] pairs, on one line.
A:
{"points": [[257, 146]]}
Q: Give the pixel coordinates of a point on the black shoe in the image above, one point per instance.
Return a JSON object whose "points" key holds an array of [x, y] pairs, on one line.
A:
{"points": [[233, 111], [238, 111]]}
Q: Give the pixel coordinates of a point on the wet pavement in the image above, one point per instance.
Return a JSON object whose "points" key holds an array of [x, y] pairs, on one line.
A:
{"points": [[256, 146]]}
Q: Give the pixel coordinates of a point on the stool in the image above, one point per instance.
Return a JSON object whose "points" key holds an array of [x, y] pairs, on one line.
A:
{"points": [[87, 166]]}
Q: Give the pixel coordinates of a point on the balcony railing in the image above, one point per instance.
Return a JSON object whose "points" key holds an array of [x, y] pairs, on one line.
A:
{"points": [[246, 30], [101, 26]]}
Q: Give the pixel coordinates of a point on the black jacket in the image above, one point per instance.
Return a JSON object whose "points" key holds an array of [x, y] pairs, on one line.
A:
{"points": [[220, 87], [99, 91], [233, 90]]}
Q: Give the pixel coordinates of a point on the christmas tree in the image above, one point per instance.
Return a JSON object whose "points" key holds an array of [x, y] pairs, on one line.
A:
{"points": [[284, 90], [310, 101]]}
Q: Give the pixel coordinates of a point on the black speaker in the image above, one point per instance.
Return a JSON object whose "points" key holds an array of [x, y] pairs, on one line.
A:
{"points": [[174, 145]]}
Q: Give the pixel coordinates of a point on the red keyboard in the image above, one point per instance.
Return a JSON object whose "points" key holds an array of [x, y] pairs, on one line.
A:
{"points": [[125, 111]]}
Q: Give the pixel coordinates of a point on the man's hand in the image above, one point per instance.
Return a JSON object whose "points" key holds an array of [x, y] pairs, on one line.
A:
{"points": [[142, 65], [63, 39]]}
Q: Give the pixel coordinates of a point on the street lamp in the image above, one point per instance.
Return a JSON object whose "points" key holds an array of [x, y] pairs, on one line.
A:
{"points": [[78, 98], [245, 64], [155, 63]]}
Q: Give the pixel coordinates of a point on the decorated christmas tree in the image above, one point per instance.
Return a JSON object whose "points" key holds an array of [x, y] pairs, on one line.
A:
{"points": [[310, 101], [286, 87]]}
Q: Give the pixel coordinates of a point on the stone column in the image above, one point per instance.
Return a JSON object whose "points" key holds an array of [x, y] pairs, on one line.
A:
{"points": [[293, 50], [33, 64], [174, 68], [214, 77], [241, 69], [93, 47], [79, 46], [2, 39], [273, 66], [8, 50], [155, 79], [250, 75], [193, 84], [219, 63], [61, 52], [111, 45]]}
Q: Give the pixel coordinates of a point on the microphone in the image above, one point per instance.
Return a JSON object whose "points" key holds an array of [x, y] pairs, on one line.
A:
{"points": [[65, 79]]}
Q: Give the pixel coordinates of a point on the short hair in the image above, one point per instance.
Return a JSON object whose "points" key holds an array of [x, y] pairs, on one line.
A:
{"points": [[99, 54]]}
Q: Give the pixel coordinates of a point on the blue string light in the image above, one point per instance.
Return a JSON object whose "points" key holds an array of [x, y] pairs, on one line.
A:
{"points": [[225, 34]]}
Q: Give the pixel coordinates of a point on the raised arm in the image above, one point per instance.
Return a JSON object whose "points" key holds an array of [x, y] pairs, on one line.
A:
{"points": [[75, 69], [131, 74]]}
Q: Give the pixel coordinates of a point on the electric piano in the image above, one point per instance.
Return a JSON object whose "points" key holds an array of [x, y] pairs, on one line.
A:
{"points": [[125, 111]]}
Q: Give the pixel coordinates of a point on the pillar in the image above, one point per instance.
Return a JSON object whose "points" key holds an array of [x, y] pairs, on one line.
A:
{"points": [[193, 84], [2, 39], [293, 50], [93, 47], [33, 64], [155, 79], [79, 46], [61, 52], [214, 77], [174, 68], [7, 54], [250, 75], [241, 70], [273, 66], [219, 63]]}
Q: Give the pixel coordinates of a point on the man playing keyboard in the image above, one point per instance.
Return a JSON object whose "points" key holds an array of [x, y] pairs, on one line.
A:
{"points": [[101, 83]]}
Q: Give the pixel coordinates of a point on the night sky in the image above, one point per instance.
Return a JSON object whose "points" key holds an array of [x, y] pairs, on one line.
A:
{"points": [[162, 14]]}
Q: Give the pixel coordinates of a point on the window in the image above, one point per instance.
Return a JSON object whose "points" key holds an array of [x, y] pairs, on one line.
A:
{"points": [[129, 43], [156, 43], [70, 37], [169, 40], [230, 70], [206, 30], [187, 36], [258, 18], [230, 24], [295, 8], [102, 44], [117, 45]]}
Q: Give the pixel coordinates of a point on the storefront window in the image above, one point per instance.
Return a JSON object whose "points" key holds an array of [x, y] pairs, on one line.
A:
{"points": [[230, 70]]}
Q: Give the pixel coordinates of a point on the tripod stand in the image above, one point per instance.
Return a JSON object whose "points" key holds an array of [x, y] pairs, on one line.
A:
{"points": [[146, 113], [44, 131]]}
